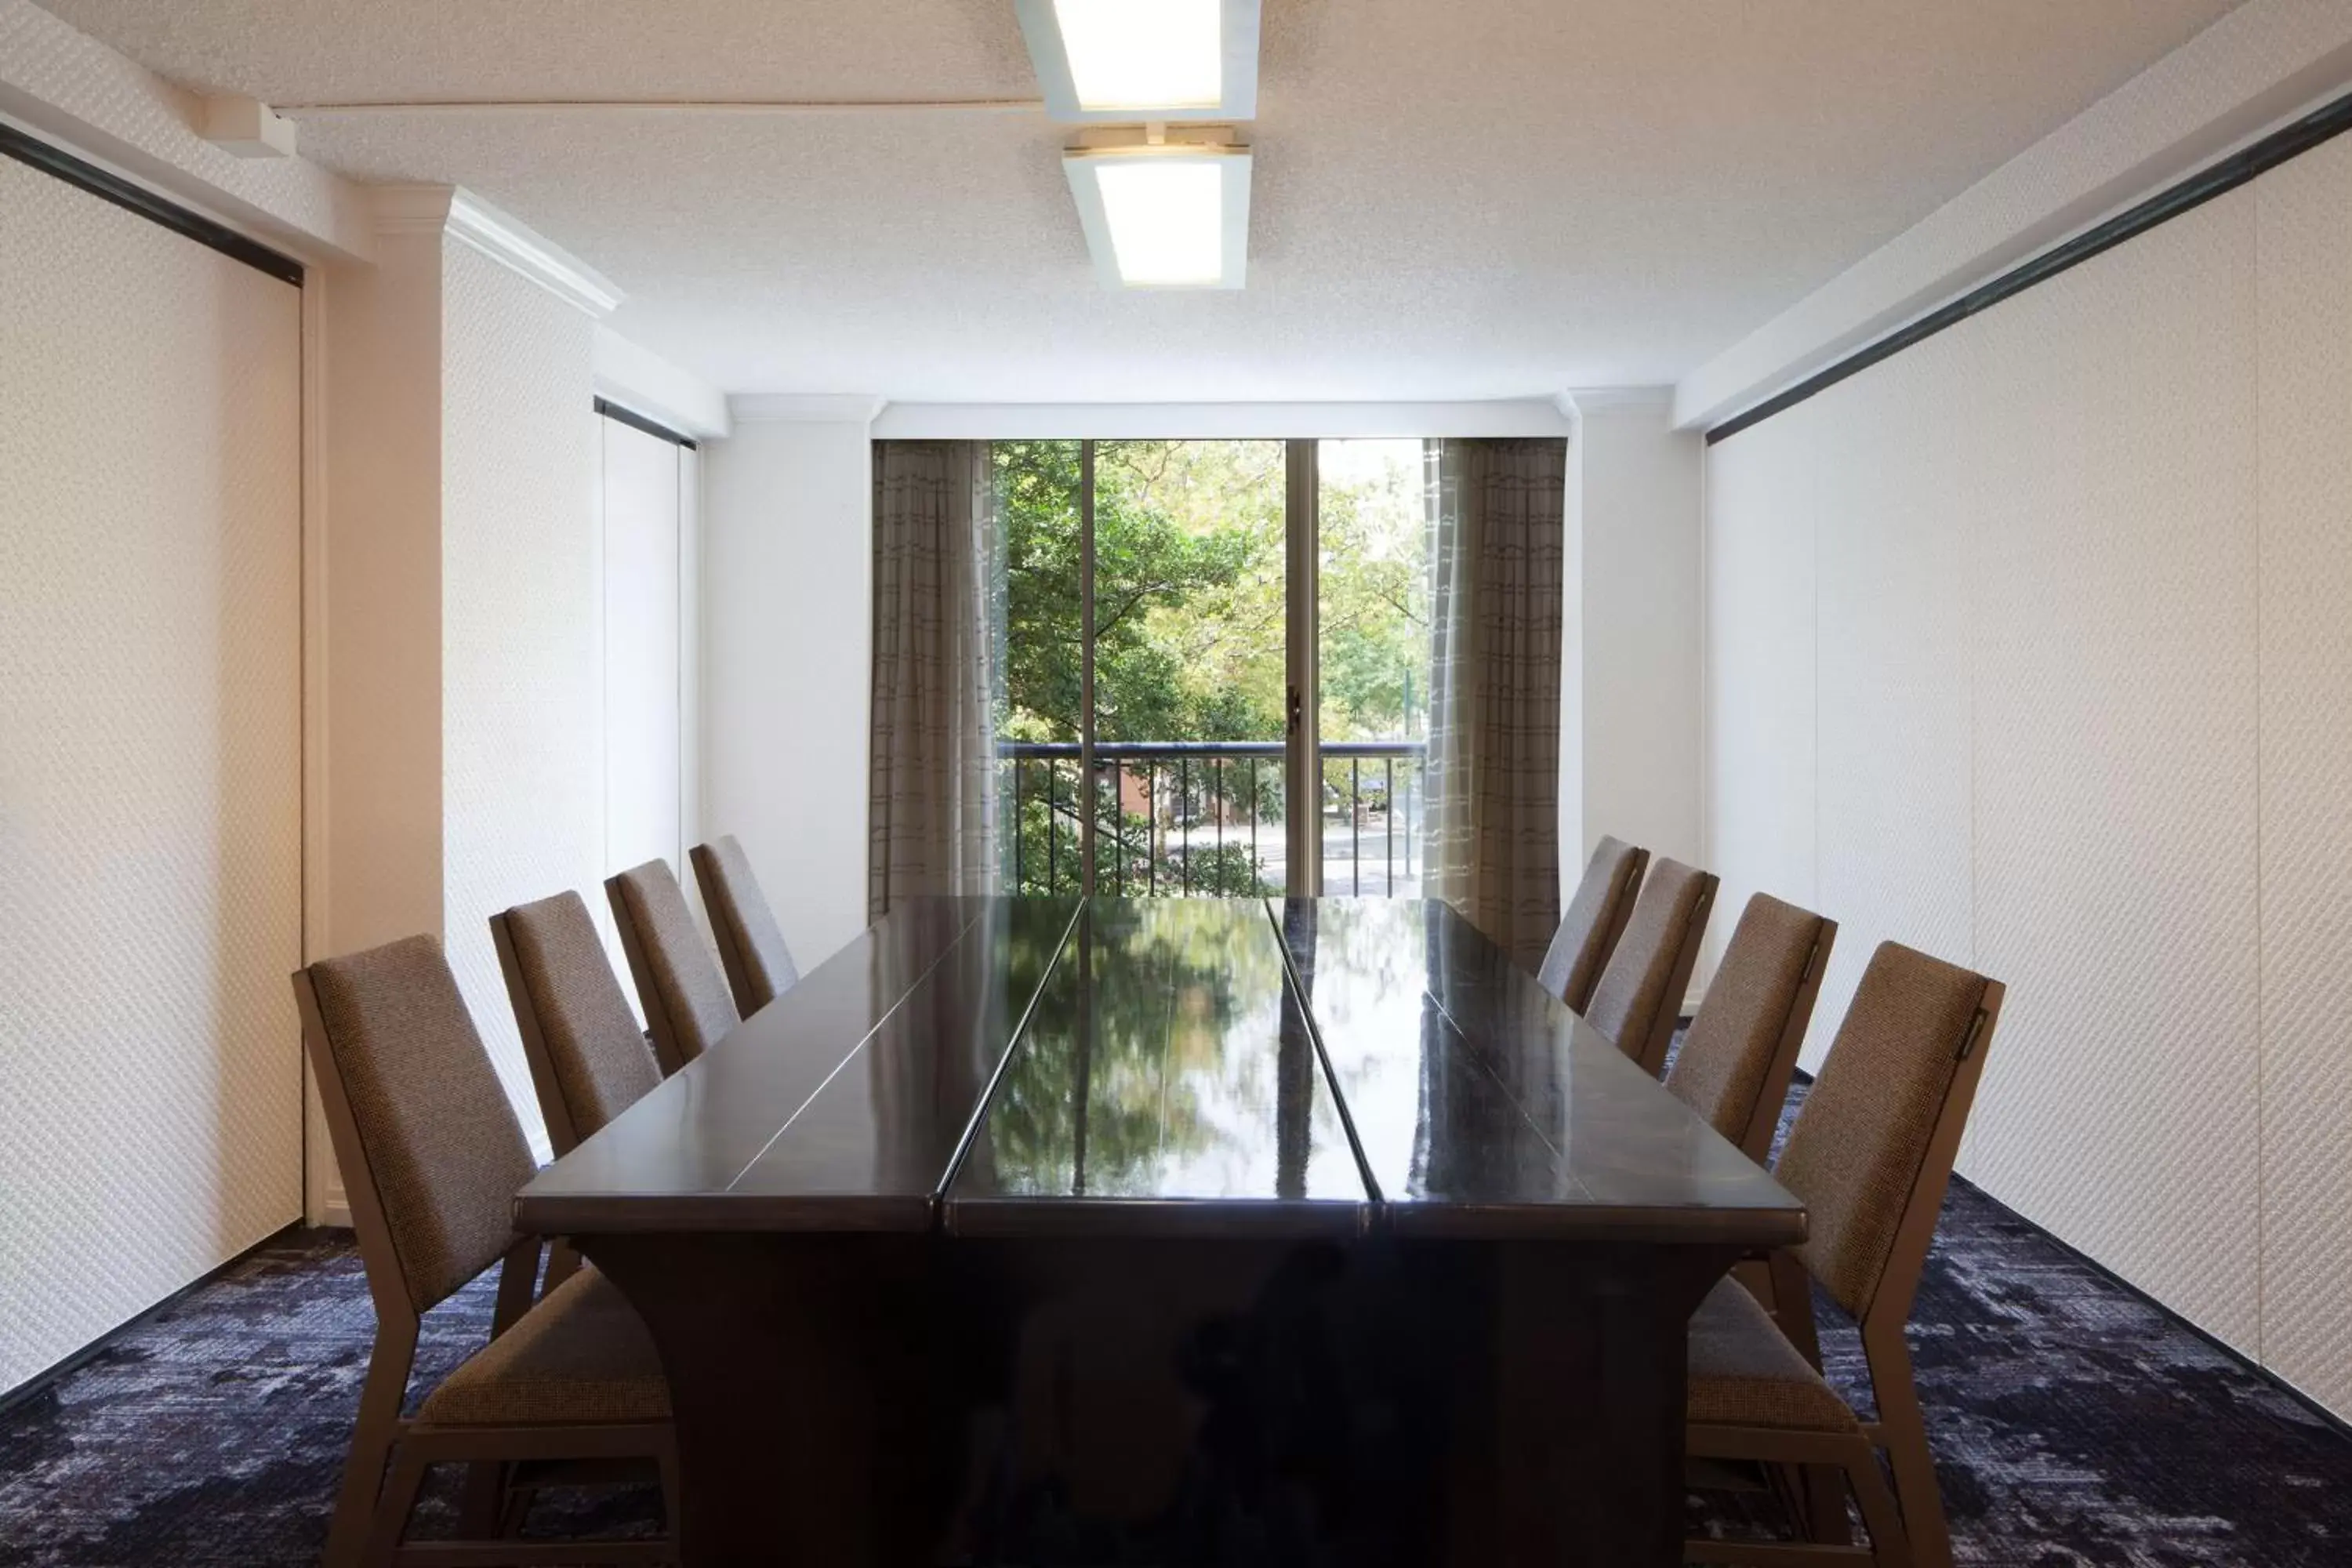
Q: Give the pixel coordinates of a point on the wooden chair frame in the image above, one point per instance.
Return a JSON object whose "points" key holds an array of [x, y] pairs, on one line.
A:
{"points": [[1772, 1098], [1650, 1049], [1616, 914], [1843, 1456], [562, 1133], [1918, 1535], [731, 956], [669, 1054], [372, 1506]]}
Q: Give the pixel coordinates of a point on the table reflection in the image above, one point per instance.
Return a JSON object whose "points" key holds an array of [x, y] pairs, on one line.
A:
{"points": [[1166, 1060]]}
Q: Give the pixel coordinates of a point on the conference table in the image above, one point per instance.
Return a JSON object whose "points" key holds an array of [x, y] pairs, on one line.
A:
{"points": [[1062, 1230]]}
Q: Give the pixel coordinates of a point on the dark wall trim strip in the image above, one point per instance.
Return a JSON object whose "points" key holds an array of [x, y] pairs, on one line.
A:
{"points": [[637, 421], [49, 1377], [2288, 142], [180, 220]]}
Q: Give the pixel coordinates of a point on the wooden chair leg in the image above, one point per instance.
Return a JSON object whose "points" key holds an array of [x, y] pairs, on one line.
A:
{"points": [[371, 1439], [673, 1521], [1826, 1515], [517, 1279], [1916, 1490], [392, 1511], [1902, 1433], [1890, 1539], [516, 1512], [478, 1515], [562, 1262], [1791, 1304]]}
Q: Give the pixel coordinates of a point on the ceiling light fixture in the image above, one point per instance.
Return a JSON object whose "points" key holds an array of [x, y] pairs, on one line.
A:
{"points": [[1128, 59], [1163, 214]]}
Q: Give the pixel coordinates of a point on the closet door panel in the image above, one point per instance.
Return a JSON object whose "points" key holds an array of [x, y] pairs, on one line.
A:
{"points": [[643, 798], [150, 1112]]}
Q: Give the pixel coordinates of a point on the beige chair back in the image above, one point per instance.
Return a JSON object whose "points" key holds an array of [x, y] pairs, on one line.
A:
{"points": [[430, 1152], [686, 1000], [589, 1060], [758, 966], [1640, 996], [1595, 919], [1735, 1063], [1872, 1149]]}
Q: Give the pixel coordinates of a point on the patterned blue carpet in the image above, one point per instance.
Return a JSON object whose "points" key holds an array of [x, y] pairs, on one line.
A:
{"points": [[2075, 1422]]}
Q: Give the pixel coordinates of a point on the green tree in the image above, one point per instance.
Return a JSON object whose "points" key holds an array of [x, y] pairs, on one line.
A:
{"points": [[1190, 638]]}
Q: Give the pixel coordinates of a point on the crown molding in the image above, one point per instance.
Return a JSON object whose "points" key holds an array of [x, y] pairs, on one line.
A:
{"points": [[464, 216], [521, 249], [804, 408], [1521, 417], [411, 209]]}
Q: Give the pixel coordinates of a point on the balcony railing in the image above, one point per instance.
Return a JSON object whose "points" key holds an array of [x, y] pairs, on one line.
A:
{"points": [[1207, 816]]}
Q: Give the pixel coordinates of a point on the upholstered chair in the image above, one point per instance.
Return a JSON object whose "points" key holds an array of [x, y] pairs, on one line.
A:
{"points": [[1596, 916], [589, 1060], [1639, 998], [1870, 1155], [685, 997], [431, 1155], [758, 966], [1740, 1050]]}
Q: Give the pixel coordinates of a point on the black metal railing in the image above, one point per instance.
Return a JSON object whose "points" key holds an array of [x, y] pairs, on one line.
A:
{"points": [[1208, 817]]}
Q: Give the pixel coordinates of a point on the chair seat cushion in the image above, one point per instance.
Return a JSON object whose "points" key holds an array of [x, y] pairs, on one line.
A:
{"points": [[1744, 1372], [580, 1355]]}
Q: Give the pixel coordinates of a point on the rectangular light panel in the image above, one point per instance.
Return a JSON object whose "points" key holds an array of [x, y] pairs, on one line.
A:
{"points": [[1136, 57], [1144, 59], [1164, 217]]}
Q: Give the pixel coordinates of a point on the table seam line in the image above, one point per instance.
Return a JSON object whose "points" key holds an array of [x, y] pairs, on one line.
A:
{"points": [[971, 1134], [1376, 1202], [851, 1054]]}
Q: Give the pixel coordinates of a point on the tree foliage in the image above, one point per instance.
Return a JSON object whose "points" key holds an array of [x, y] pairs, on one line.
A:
{"points": [[1190, 637]]}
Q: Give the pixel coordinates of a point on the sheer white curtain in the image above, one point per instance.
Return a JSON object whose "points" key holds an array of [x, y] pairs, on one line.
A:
{"points": [[939, 673], [1498, 559]]}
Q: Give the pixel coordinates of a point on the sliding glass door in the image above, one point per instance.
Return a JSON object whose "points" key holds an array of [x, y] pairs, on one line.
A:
{"points": [[1166, 608], [1373, 539]]}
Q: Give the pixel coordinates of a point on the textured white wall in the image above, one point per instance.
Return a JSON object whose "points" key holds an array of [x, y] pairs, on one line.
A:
{"points": [[2115, 763], [1640, 653], [787, 628], [522, 610], [1759, 657], [382, 707], [2304, 524], [1891, 686], [150, 764], [2073, 579]]}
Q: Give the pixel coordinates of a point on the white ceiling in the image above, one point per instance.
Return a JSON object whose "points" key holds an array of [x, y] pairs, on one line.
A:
{"points": [[1483, 198]]}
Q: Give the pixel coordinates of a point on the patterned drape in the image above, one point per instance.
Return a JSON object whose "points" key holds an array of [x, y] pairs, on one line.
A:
{"points": [[937, 670], [1497, 551]]}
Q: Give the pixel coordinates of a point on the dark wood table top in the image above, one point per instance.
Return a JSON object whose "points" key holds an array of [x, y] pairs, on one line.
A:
{"points": [[1241, 1068], [1168, 1082], [1482, 1107]]}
